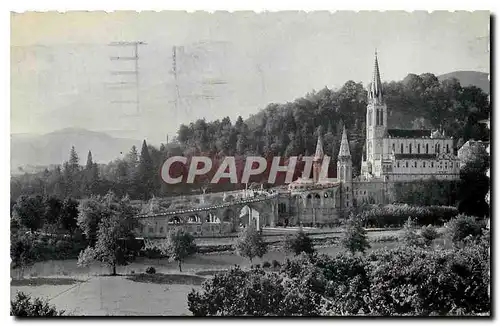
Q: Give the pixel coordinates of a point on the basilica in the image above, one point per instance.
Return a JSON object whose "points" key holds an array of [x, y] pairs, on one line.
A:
{"points": [[389, 156]]}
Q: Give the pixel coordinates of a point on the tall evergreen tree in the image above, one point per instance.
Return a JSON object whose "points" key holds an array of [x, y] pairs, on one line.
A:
{"points": [[90, 163], [146, 172]]}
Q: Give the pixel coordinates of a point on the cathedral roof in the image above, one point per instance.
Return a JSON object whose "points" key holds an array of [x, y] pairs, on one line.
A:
{"points": [[408, 133]]}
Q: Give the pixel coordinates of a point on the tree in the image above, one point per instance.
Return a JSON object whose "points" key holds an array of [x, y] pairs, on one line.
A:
{"points": [[53, 207], [428, 233], [475, 159], [250, 243], [90, 213], [464, 227], [91, 176], [299, 243], [116, 226], [30, 211], [132, 156], [410, 236], [354, 238], [146, 172], [23, 306], [254, 293], [22, 253], [69, 215], [180, 245]]}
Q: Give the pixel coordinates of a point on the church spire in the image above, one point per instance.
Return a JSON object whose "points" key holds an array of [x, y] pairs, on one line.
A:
{"points": [[376, 85], [344, 145], [318, 155]]}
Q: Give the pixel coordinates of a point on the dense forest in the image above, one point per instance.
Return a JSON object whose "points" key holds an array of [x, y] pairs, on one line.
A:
{"points": [[288, 129]]}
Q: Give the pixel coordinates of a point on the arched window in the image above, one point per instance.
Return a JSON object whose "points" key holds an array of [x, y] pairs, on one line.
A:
{"points": [[401, 148], [370, 117], [418, 148], [410, 148], [423, 164], [447, 148], [436, 148], [439, 148], [426, 148], [394, 147], [381, 117], [398, 164], [406, 163], [377, 117]]}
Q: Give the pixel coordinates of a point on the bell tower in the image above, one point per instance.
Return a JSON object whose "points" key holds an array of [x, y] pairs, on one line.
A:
{"points": [[376, 117]]}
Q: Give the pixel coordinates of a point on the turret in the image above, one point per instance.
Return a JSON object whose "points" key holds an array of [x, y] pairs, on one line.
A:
{"points": [[344, 161], [318, 158]]}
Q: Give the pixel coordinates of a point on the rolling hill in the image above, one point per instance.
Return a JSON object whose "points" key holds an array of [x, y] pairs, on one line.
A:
{"points": [[54, 147], [467, 78]]}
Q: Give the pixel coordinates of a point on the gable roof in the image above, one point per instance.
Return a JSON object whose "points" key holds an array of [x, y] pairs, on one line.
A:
{"points": [[409, 133]]}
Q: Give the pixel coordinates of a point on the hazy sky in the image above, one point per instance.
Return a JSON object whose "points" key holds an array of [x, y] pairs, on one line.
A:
{"points": [[231, 63]]}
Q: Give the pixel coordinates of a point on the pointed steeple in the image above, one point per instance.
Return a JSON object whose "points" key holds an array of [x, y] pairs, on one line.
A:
{"points": [[376, 84], [344, 145], [318, 155]]}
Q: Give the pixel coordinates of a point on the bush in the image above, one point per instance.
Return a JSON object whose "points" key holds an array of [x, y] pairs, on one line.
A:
{"points": [[253, 293], [414, 281], [256, 266], [428, 233], [464, 228], [298, 243], [275, 263], [397, 214], [354, 237], [23, 306], [385, 238], [266, 264], [150, 270], [410, 236]]}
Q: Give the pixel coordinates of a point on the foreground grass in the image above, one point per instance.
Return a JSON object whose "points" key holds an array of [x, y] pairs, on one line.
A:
{"points": [[159, 278], [39, 281]]}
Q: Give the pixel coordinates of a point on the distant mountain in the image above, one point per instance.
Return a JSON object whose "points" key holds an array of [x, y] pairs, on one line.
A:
{"points": [[467, 78], [54, 147]]}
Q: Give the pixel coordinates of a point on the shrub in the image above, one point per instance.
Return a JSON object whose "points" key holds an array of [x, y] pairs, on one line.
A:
{"points": [[354, 238], [275, 263], [397, 214], [410, 236], [385, 238], [266, 264], [428, 233], [24, 306], [414, 281], [150, 270], [464, 227], [253, 293], [298, 243]]}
